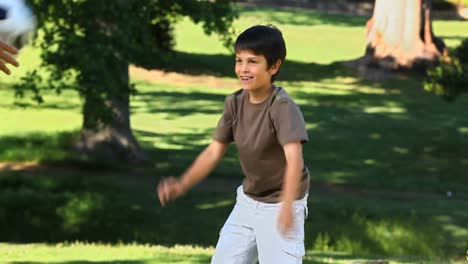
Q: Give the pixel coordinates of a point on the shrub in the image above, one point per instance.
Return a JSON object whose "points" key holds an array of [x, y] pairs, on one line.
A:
{"points": [[450, 78]]}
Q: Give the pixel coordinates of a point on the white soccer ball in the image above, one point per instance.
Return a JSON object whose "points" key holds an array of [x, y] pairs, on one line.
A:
{"points": [[17, 23]]}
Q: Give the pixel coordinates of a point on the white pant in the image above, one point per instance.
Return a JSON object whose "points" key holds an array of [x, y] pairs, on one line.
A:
{"points": [[251, 233]]}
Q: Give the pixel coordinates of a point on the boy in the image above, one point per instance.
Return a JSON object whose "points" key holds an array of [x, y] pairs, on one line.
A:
{"points": [[267, 222]]}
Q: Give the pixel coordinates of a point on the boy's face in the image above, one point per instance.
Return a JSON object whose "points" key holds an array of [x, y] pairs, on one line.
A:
{"points": [[252, 70]]}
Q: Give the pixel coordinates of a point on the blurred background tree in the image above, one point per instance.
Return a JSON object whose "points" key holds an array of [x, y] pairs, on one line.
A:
{"points": [[88, 45], [400, 35]]}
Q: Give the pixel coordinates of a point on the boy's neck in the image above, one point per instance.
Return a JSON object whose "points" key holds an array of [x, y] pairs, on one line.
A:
{"points": [[258, 96]]}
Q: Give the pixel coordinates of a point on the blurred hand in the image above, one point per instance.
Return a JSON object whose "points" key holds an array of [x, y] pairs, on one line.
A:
{"points": [[286, 219], [6, 52], [169, 189]]}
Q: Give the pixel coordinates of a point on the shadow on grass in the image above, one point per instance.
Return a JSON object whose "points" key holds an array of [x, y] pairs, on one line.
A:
{"points": [[118, 207], [178, 103], [301, 17], [390, 139], [36, 146], [388, 135], [113, 206], [222, 65], [308, 18], [64, 101]]}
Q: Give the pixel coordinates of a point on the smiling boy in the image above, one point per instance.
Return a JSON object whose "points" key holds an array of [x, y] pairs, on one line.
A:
{"points": [[267, 222]]}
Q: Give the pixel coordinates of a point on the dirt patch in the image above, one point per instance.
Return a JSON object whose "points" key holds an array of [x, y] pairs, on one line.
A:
{"points": [[18, 166], [180, 79]]}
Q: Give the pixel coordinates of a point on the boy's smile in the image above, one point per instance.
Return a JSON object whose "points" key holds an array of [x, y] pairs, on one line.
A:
{"points": [[253, 71]]}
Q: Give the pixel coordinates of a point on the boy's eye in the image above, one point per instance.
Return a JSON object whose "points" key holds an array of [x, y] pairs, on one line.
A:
{"points": [[238, 60], [252, 61]]}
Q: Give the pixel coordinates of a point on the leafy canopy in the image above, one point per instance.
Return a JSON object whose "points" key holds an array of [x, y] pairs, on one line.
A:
{"points": [[86, 44]]}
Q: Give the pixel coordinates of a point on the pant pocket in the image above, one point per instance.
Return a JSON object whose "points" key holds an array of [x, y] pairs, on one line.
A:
{"points": [[293, 242], [293, 248]]}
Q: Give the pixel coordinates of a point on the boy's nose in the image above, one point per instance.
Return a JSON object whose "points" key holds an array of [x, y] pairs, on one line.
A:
{"points": [[244, 68]]}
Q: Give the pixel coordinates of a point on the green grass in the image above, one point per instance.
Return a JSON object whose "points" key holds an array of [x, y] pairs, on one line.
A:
{"points": [[310, 36], [113, 207], [402, 137], [137, 254], [377, 139]]}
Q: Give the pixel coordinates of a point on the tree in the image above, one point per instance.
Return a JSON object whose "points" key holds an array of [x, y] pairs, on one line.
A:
{"points": [[88, 45], [400, 36]]}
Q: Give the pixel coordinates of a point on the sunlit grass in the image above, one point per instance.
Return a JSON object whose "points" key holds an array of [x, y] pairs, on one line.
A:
{"points": [[310, 36], [94, 252], [78, 252]]}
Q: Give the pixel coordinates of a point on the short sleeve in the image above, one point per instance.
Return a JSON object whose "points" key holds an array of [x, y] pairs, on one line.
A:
{"points": [[223, 132], [289, 123]]}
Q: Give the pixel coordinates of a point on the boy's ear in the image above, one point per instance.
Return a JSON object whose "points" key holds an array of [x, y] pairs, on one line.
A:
{"points": [[275, 67]]}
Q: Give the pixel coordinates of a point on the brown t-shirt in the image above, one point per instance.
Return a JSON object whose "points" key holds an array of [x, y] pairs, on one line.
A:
{"points": [[260, 131]]}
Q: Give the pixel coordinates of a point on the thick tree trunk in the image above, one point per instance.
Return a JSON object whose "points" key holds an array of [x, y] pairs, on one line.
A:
{"points": [[107, 135], [399, 35]]}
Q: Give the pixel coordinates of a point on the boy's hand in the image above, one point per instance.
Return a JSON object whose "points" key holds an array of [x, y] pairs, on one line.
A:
{"points": [[6, 52], [169, 189], [286, 218]]}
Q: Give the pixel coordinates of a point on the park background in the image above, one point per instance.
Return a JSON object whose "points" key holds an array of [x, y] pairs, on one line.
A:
{"points": [[389, 160]]}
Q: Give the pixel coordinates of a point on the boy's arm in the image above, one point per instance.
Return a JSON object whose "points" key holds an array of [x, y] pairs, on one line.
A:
{"points": [[295, 163], [171, 188], [204, 164]]}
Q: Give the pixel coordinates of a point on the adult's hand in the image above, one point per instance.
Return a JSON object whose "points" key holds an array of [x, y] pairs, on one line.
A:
{"points": [[6, 57]]}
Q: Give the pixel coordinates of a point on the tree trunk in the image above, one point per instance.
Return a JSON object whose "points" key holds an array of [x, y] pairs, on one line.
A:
{"points": [[106, 133], [399, 35], [462, 10]]}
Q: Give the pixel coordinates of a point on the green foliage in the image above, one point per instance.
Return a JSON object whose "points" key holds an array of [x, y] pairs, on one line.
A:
{"points": [[450, 78], [87, 44]]}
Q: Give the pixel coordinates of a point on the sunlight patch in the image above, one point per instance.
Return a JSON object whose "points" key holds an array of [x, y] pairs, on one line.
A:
{"points": [[222, 203], [400, 150], [370, 162], [384, 109], [329, 90], [449, 225], [338, 177], [311, 126], [463, 130]]}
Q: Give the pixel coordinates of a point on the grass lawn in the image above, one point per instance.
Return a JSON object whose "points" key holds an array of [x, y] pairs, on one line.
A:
{"points": [[383, 156], [139, 254], [109, 207]]}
